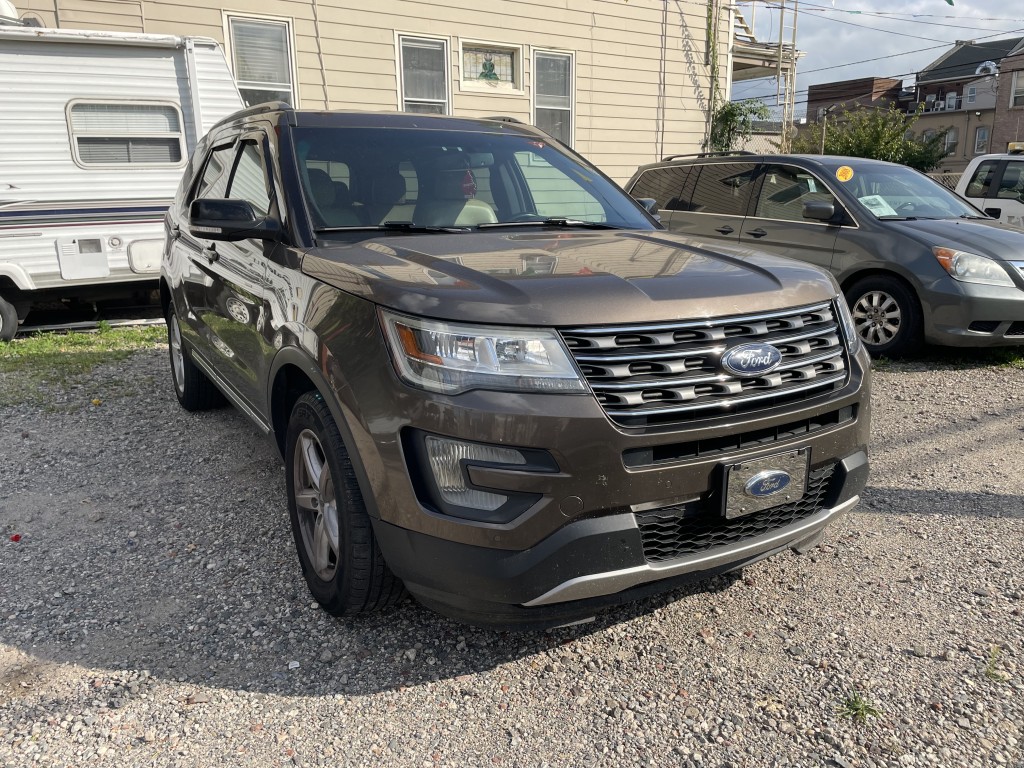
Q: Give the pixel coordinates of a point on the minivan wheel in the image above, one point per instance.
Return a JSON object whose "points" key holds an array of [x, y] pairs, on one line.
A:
{"points": [[8, 320], [338, 553], [194, 391], [886, 315]]}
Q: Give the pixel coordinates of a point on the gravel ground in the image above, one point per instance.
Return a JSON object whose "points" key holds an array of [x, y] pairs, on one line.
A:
{"points": [[153, 614]]}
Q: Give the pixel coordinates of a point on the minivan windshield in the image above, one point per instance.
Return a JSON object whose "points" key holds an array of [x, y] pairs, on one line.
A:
{"points": [[420, 180], [897, 192]]}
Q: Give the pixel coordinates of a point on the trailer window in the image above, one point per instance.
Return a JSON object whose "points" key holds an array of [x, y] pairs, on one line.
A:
{"points": [[126, 133]]}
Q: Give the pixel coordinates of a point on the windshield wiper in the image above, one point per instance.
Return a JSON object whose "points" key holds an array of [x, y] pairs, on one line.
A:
{"points": [[972, 216], [554, 222], [906, 218], [392, 226]]}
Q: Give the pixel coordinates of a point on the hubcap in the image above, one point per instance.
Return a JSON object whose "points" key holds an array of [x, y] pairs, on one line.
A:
{"points": [[316, 505], [877, 318], [177, 356]]}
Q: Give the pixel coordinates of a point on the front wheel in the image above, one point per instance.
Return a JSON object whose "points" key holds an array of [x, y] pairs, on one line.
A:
{"points": [[886, 315], [8, 320], [340, 559]]}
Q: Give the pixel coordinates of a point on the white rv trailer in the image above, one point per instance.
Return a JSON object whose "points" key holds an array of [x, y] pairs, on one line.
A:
{"points": [[97, 128]]}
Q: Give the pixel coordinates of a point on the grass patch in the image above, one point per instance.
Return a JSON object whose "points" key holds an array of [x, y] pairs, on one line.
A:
{"points": [[33, 367], [858, 709], [992, 665]]}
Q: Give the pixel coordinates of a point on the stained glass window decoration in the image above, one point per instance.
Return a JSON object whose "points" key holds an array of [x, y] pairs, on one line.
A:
{"points": [[489, 65]]}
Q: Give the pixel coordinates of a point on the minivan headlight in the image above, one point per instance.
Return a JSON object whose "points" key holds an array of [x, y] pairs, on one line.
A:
{"points": [[971, 268], [452, 357]]}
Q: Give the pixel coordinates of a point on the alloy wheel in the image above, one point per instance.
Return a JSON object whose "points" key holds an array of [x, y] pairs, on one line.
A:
{"points": [[316, 505]]}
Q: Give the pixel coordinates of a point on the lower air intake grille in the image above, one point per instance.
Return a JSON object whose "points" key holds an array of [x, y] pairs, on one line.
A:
{"points": [[672, 532], [670, 373]]}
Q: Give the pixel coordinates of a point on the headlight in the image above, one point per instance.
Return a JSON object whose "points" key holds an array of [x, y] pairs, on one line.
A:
{"points": [[971, 268], [452, 358], [846, 321]]}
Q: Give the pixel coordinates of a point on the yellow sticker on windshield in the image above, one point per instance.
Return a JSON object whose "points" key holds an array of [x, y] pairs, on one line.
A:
{"points": [[844, 173]]}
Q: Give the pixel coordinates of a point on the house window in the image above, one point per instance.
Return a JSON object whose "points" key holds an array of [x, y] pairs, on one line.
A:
{"points": [[951, 100], [261, 53], [1017, 95], [553, 92], [424, 68], [126, 133], [981, 140], [491, 65], [972, 94], [950, 145]]}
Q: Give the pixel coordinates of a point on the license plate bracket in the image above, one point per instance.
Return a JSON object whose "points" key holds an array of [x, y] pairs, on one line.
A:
{"points": [[770, 481]]}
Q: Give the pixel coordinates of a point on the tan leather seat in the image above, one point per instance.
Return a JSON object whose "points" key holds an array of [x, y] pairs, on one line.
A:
{"points": [[449, 198], [331, 200]]}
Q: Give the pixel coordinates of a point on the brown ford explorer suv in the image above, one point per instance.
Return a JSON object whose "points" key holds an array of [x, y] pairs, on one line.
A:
{"points": [[495, 380]]}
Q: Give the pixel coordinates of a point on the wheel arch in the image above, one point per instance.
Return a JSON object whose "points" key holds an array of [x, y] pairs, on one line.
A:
{"points": [[850, 280], [292, 375]]}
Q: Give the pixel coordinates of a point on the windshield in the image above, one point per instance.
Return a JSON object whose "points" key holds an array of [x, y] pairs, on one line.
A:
{"points": [[418, 180], [898, 192]]}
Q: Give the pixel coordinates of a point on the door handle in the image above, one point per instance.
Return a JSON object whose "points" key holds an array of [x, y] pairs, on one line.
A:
{"points": [[211, 254], [757, 232], [726, 230]]}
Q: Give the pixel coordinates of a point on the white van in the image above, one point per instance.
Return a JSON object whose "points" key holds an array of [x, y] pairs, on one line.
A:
{"points": [[995, 183], [97, 128]]}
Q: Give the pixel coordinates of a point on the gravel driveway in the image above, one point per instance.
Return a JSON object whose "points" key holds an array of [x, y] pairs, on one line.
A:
{"points": [[152, 613]]}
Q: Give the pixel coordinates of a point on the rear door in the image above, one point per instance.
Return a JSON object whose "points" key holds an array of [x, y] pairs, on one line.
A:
{"points": [[718, 203], [777, 224]]}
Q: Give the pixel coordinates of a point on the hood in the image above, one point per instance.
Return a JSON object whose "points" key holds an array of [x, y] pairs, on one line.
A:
{"points": [[982, 236], [565, 278]]}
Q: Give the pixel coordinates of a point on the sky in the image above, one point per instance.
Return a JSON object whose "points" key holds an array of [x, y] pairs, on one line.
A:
{"points": [[835, 36]]}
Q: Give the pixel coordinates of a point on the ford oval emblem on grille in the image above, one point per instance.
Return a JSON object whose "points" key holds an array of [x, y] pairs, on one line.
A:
{"points": [[767, 483], [751, 360]]}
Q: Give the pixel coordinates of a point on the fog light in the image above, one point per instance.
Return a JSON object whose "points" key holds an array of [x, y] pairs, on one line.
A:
{"points": [[446, 457]]}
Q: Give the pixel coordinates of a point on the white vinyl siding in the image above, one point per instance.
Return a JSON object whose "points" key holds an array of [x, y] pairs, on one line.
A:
{"points": [[423, 65], [553, 94], [261, 54], [126, 133]]}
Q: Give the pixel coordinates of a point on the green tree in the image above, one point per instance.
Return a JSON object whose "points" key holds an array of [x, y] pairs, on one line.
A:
{"points": [[876, 133], [732, 123]]}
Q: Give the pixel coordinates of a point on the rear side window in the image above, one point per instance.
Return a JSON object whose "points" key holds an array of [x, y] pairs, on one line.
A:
{"points": [[723, 188], [981, 181], [666, 185], [126, 133]]}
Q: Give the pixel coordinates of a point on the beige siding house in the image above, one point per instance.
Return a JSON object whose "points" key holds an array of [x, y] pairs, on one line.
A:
{"points": [[622, 81]]}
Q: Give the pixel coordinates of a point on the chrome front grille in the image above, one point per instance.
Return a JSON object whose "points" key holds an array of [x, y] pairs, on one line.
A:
{"points": [[669, 372]]}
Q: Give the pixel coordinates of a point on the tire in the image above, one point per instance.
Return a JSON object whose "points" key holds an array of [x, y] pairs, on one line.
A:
{"points": [[338, 552], [8, 320], [195, 392], [886, 315]]}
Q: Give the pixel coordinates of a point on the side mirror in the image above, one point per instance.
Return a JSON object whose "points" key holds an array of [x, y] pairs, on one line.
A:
{"points": [[995, 213], [218, 219], [649, 204], [819, 210]]}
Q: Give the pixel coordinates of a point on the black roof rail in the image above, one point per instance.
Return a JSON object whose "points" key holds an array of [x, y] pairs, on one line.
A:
{"points": [[710, 154], [255, 109], [505, 119]]}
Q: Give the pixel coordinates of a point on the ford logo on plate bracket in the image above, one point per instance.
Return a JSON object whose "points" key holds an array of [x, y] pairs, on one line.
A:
{"points": [[767, 483], [756, 359]]}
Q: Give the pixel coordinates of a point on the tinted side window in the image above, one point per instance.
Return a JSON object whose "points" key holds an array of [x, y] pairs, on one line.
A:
{"points": [[980, 182], [723, 188], [785, 189], [666, 185], [214, 182], [1011, 184], [249, 181]]}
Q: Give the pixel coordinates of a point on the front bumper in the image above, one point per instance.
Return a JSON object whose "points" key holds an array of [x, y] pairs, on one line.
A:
{"points": [[588, 564], [973, 315]]}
